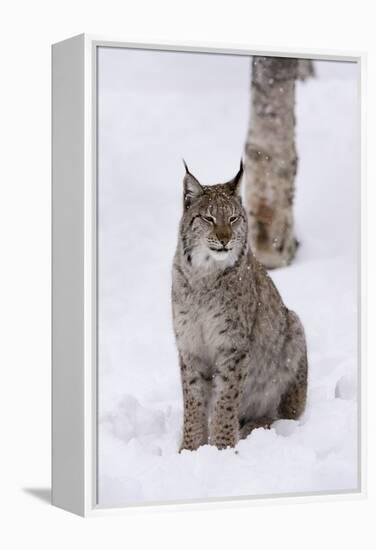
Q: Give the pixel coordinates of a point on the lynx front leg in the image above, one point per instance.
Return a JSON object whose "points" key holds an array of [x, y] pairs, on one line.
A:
{"points": [[224, 424], [196, 397]]}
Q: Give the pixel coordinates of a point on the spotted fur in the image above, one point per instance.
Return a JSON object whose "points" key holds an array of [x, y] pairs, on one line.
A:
{"points": [[242, 352]]}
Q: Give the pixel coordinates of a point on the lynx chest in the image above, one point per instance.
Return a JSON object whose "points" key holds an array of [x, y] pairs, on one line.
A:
{"points": [[208, 319]]}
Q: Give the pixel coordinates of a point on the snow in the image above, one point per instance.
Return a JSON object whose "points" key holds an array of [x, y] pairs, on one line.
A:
{"points": [[154, 109]]}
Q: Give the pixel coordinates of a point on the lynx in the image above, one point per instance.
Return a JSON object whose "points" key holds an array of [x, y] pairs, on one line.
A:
{"points": [[242, 353]]}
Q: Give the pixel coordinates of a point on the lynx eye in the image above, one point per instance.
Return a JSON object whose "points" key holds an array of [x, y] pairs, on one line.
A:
{"points": [[234, 219], [208, 219]]}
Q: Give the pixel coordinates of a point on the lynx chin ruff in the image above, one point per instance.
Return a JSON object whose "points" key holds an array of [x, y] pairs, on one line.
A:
{"points": [[242, 353]]}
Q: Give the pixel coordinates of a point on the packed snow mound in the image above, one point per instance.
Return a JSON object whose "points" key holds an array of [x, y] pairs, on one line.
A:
{"points": [[141, 460], [154, 108]]}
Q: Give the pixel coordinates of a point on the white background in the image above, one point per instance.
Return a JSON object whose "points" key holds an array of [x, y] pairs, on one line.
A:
{"points": [[27, 30]]}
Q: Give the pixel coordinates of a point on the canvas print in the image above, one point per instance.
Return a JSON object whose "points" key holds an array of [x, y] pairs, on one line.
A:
{"points": [[228, 235]]}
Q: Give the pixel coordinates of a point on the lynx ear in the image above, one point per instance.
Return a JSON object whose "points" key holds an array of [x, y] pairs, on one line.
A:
{"points": [[234, 184], [192, 187]]}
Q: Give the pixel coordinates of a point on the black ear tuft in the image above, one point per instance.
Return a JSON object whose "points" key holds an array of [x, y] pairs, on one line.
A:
{"points": [[192, 187], [234, 184], [186, 167]]}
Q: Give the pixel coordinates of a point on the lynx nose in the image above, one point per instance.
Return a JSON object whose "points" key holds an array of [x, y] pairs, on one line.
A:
{"points": [[223, 235]]}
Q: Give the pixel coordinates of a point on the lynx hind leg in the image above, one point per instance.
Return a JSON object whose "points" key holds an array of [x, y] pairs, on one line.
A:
{"points": [[246, 427], [293, 400]]}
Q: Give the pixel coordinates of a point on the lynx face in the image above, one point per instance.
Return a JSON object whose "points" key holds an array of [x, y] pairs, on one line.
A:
{"points": [[214, 224]]}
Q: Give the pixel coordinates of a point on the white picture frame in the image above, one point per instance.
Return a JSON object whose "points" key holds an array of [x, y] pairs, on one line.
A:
{"points": [[74, 270]]}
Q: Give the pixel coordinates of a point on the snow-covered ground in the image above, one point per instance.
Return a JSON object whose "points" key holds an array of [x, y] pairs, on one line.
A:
{"points": [[155, 108]]}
